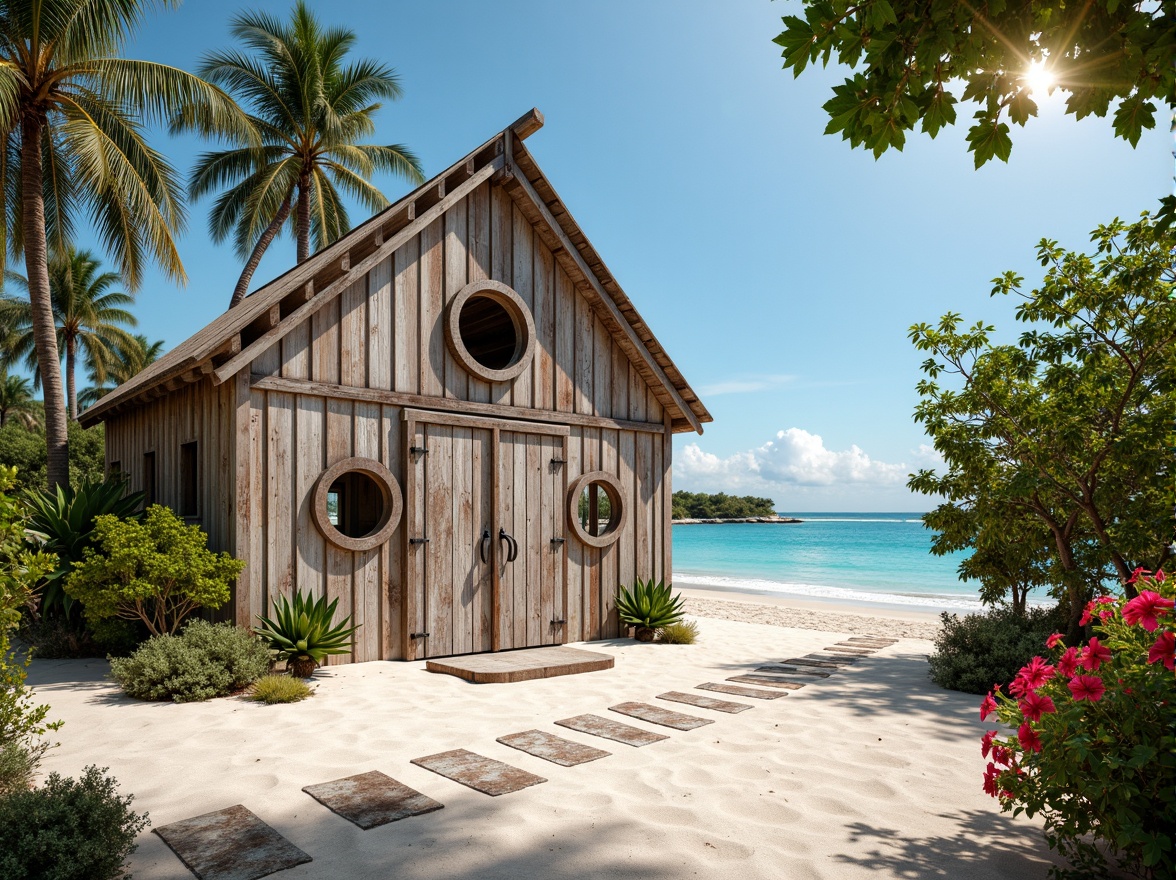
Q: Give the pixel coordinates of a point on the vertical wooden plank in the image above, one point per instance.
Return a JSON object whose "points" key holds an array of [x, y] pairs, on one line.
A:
{"points": [[482, 505], [406, 356], [501, 261], [543, 309], [519, 531], [463, 545], [258, 549], [667, 488], [432, 265], [353, 335], [242, 499], [366, 599], [657, 531], [296, 353], [309, 453], [456, 269], [522, 392], [499, 586], [416, 555], [379, 326], [642, 511], [565, 341], [538, 626], [609, 556], [279, 486], [602, 368], [585, 341], [591, 462], [620, 383], [637, 395], [324, 339], [479, 267], [550, 553], [392, 552], [574, 612], [340, 563], [627, 544], [653, 407], [439, 550]]}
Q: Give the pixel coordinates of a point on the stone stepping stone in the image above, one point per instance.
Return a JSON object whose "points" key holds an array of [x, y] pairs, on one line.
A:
{"points": [[553, 748], [870, 642], [704, 702], [754, 693], [818, 664], [659, 715], [793, 670], [371, 799], [833, 658], [855, 652], [479, 773], [872, 646], [614, 730], [769, 681], [230, 844]]}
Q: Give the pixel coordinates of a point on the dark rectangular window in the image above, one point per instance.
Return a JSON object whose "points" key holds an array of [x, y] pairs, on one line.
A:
{"points": [[189, 480], [115, 468], [148, 478]]}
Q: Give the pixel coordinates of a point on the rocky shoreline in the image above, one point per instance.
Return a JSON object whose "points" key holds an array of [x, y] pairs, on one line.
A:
{"points": [[784, 520]]}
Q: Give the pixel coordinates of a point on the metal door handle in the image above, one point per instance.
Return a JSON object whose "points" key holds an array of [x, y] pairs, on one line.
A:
{"points": [[484, 550], [512, 546]]}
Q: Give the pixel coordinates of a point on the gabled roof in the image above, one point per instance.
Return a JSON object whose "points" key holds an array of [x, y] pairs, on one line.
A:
{"points": [[232, 341]]}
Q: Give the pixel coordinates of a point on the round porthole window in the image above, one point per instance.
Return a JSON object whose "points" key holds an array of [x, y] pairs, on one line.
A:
{"points": [[490, 331], [357, 504], [596, 509]]}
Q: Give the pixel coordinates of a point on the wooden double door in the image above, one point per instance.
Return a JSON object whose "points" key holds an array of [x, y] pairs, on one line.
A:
{"points": [[484, 534]]}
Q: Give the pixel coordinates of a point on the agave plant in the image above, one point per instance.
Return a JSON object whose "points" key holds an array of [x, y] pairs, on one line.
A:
{"points": [[648, 607], [300, 632], [62, 521]]}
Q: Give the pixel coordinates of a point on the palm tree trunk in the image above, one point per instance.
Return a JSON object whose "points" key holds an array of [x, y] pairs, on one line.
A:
{"points": [[259, 249], [71, 389], [44, 327], [303, 218]]}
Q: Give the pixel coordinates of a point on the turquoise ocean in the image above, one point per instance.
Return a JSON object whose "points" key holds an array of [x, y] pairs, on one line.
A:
{"points": [[880, 559]]}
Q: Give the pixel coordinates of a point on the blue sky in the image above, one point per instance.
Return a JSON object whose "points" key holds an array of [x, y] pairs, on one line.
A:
{"points": [[780, 268]]}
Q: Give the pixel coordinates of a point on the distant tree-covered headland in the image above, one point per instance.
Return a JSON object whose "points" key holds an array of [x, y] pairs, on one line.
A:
{"points": [[700, 505]]}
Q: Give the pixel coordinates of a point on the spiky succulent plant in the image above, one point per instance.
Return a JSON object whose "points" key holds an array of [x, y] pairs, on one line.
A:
{"points": [[300, 632], [648, 607]]}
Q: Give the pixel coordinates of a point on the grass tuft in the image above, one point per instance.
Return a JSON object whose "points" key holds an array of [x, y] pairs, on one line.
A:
{"points": [[683, 633], [279, 689]]}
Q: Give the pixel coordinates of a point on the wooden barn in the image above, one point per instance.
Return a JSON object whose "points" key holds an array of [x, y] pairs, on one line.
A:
{"points": [[453, 419]]}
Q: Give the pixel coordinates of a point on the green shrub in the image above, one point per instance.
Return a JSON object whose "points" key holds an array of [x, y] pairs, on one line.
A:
{"points": [[976, 651], [24, 449], [158, 571], [1094, 752], [648, 607], [301, 633], [55, 637], [279, 689], [206, 660], [18, 764], [68, 830], [682, 633]]}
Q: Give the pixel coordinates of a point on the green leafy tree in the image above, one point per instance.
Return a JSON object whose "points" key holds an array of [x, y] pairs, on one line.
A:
{"points": [[157, 570], [1065, 429], [912, 62], [310, 108], [16, 402], [24, 449], [128, 362], [700, 505], [72, 116], [88, 315]]}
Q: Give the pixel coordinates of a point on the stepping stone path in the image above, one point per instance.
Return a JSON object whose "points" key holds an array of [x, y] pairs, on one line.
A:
{"points": [[704, 702], [234, 844], [614, 730], [230, 844], [658, 715], [371, 799], [793, 670], [553, 748], [767, 681], [481, 774], [736, 690]]}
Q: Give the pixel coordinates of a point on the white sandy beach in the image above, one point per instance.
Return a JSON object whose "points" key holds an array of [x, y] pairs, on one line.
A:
{"points": [[873, 772]]}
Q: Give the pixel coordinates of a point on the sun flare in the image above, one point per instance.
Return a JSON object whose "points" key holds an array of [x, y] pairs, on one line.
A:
{"points": [[1039, 79]]}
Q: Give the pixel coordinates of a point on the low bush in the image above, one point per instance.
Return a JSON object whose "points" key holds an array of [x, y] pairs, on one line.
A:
{"points": [[976, 651], [205, 660], [68, 829], [1094, 748], [683, 633], [19, 760], [279, 689]]}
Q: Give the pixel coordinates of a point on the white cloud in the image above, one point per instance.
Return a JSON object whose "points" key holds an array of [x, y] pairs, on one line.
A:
{"points": [[796, 465], [746, 384]]}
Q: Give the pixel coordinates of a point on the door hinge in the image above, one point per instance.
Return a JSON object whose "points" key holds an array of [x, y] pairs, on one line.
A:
{"points": [[418, 540], [418, 450], [558, 622], [557, 540], [418, 635], [558, 461]]}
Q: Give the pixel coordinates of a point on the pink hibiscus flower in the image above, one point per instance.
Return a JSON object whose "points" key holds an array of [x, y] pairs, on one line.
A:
{"points": [[1028, 738], [1137, 574], [1054, 640], [1033, 706], [987, 707], [1087, 687], [986, 742], [1159, 577], [1036, 673], [1095, 655], [1164, 651], [1068, 662], [1019, 686], [1001, 755], [990, 775], [1144, 608]]}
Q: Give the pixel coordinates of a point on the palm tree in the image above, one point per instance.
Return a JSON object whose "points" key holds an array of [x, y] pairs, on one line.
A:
{"points": [[309, 108], [16, 401], [127, 362], [87, 314], [71, 116]]}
